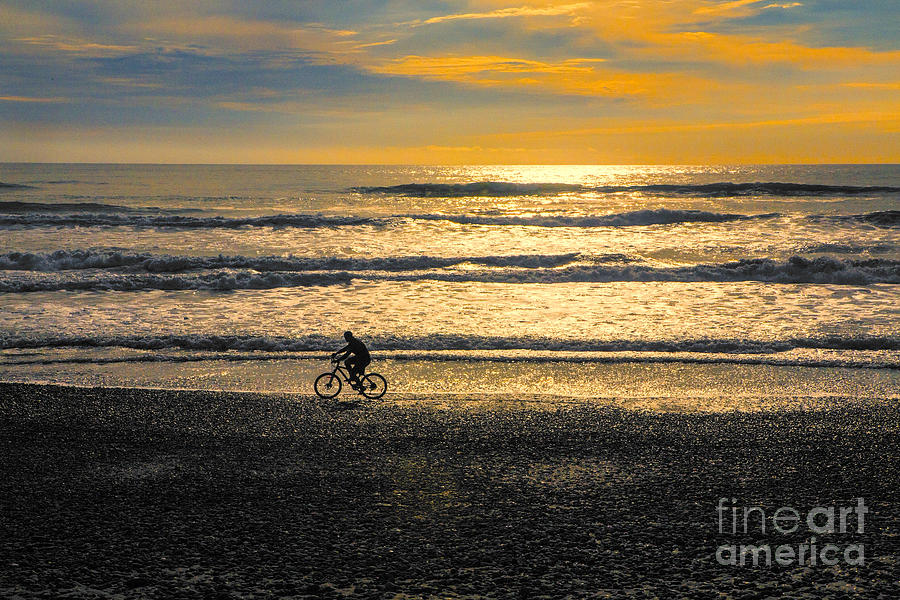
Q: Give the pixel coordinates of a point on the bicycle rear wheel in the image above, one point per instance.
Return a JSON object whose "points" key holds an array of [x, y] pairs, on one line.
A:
{"points": [[328, 385], [374, 386]]}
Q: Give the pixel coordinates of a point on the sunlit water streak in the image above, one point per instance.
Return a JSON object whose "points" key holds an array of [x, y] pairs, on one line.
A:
{"points": [[663, 282]]}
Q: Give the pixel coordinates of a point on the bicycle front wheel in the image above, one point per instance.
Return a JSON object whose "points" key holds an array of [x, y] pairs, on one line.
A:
{"points": [[328, 385], [373, 386]]}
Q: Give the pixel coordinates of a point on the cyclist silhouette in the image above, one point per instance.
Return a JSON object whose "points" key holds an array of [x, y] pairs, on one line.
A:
{"points": [[356, 356]]}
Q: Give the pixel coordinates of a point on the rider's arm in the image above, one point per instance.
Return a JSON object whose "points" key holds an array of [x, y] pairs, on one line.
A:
{"points": [[344, 351]]}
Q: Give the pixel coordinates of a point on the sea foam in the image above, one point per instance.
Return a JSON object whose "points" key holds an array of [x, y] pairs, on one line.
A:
{"points": [[451, 342], [822, 270]]}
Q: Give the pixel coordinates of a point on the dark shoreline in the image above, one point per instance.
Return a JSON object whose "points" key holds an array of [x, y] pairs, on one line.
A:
{"points": [[152, 493]]}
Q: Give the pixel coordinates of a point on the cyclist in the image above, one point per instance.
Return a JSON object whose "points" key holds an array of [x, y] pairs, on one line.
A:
{"points": [[356, 356]]}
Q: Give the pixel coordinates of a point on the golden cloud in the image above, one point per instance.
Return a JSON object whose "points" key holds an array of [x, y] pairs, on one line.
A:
{"points": [[630, 127], [32, 99], [228, 34], [744, 50], [683, 31], [505, 13], [76, 45], [578, 76]]}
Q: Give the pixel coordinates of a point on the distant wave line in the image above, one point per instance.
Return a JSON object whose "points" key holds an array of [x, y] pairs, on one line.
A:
{"points": [[62, 207], [718, 189], [33, 184]]}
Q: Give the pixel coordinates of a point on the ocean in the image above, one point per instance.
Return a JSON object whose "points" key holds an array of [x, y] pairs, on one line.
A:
{"points": [[694, 287]]}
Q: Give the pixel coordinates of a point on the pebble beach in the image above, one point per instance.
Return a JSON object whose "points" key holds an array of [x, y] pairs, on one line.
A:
{"points": [[137, 493]]}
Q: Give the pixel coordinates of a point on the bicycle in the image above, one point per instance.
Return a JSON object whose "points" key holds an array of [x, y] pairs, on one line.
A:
{"points": [[328, 385]]}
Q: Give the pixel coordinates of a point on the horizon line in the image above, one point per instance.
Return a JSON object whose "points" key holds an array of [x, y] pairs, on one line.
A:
{"points": [[448, 164]]}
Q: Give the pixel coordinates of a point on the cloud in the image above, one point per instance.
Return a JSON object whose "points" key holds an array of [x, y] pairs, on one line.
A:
{"points": [[454, 67], [373, 44], [505, 13], [443, 76], [129, 82], [675, 127], [730, 9], [891, 86], [77, 46], [578, 76], [748, 50], [701, 31], [32, 99], [741, 8], [16, 22], [227, 35], [251, 33]]}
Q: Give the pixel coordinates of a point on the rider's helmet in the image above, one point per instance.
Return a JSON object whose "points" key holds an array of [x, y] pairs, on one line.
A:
{"points": [[348, 335]]}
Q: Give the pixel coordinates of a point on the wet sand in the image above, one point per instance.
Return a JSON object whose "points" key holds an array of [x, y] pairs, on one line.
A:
{"points": [[163, 494]]}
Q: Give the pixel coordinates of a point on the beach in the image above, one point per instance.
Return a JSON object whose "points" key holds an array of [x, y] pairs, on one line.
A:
{"points": [[116, 492]]}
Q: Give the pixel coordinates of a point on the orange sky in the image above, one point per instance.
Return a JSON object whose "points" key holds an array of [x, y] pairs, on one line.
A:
{"points": [[483, 81]]}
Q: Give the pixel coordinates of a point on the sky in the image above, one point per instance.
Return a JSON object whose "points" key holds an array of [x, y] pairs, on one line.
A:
{"points": [[450, 82]]}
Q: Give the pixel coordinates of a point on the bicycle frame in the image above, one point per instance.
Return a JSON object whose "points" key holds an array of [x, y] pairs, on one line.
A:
{"points": [[339, 368]]}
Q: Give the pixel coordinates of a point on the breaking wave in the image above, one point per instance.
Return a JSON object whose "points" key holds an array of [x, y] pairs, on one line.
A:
{"points": [[218, 280], [60, 207], [882, 218], [65, 260], [435, 342], [848, 248], [659, 216], [822, 270], [721, 189], [22, 186], [182, 222]]}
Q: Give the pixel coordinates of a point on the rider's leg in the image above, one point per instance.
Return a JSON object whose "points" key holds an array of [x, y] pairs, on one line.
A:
{"points": [[361, 370], [353, 369], [362, 367]]}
